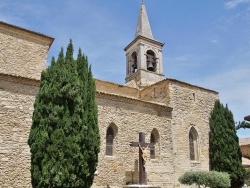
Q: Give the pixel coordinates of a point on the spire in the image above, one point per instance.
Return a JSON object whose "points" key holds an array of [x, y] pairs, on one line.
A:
{"points": [[143, 27]]}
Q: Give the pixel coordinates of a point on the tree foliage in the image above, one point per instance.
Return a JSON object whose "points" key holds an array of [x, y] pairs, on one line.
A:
{"points": [[64, 137], [247, 177], [224, 150], [210, 179], [243, 124]]}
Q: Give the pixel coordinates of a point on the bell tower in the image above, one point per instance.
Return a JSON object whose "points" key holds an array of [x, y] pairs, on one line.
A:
{"points": [[144, 54]]}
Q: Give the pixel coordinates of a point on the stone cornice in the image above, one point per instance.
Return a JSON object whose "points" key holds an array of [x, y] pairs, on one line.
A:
{"points": [[184, 83], [25, 33], [157, 106], [19, 79], [145, 39]]}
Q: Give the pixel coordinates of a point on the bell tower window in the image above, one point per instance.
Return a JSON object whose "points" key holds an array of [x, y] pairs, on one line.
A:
{"points": [[151, 61], [134, 62]]}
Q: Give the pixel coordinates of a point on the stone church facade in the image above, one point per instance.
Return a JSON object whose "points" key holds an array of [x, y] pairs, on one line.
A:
{"points": [[174, 115]]}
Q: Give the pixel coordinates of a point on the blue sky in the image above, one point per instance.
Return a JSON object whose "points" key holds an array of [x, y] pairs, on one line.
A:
{"points": [[207, 43]]}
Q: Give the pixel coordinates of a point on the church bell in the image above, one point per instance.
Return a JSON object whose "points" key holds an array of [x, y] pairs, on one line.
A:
{"points": [[150, 66]]}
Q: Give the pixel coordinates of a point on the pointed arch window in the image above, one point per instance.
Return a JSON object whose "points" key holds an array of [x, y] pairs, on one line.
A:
{"points": [[193, 145], [110, 141], [152, 150], [154, 140]]}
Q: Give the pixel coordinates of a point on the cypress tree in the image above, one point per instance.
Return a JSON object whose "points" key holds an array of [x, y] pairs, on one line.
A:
{"points": [[64, 117], [224, 150], [90, 109]]}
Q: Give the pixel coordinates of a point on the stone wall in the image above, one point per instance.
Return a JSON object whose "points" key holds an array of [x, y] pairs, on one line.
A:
{"points": [[16, 108], [131, 117], [245, 147], [117, 89], [23, 53], [192, 106], [23, 56], [158, 93]]}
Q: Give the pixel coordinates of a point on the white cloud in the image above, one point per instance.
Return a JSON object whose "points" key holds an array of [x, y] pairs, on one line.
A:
{"points": [[234, 3], [214, 41]]}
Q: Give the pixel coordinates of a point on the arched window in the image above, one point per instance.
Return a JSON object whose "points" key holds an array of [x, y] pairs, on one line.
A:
{"points": [[193, 144], [151, 61], [134, 62], [152, 150], [154, 140], [109, 141]]}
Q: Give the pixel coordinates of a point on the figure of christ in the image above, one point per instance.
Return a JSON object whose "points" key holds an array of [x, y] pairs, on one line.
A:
{"points": [[143, 148], [144, 151]]}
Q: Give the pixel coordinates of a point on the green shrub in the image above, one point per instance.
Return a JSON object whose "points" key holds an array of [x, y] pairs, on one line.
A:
{"points": [[247, 177], [210, 179]]}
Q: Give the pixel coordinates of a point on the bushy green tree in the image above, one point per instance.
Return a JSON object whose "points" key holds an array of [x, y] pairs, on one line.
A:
{"points": [[210, 179], [64, 137], [243, 124], [224, 150]]}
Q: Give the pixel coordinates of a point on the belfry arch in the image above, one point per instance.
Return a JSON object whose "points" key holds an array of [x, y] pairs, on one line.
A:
{"points": [[151, 61], [134, 62]]}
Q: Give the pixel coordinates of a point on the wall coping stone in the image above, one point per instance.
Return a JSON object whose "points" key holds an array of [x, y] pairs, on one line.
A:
{"points": [[19, 79], [184, 83], [134, 101], [26, 33]]}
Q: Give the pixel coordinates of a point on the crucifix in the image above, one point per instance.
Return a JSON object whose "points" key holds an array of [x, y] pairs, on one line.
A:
{"points": [[142, 149]]}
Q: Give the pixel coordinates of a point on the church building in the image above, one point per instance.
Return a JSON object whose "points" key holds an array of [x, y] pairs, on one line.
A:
{"points": [[173, 115]]}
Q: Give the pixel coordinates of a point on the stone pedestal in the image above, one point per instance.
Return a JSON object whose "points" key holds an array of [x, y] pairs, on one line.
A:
{"points": [[140, 186]]}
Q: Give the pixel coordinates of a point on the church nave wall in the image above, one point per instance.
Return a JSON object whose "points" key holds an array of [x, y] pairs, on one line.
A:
{"points": [[16, 108], [191, 108], [129, 119]]}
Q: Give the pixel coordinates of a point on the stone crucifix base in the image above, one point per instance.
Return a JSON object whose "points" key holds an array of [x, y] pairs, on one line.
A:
{"points": [[141, 186]]}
